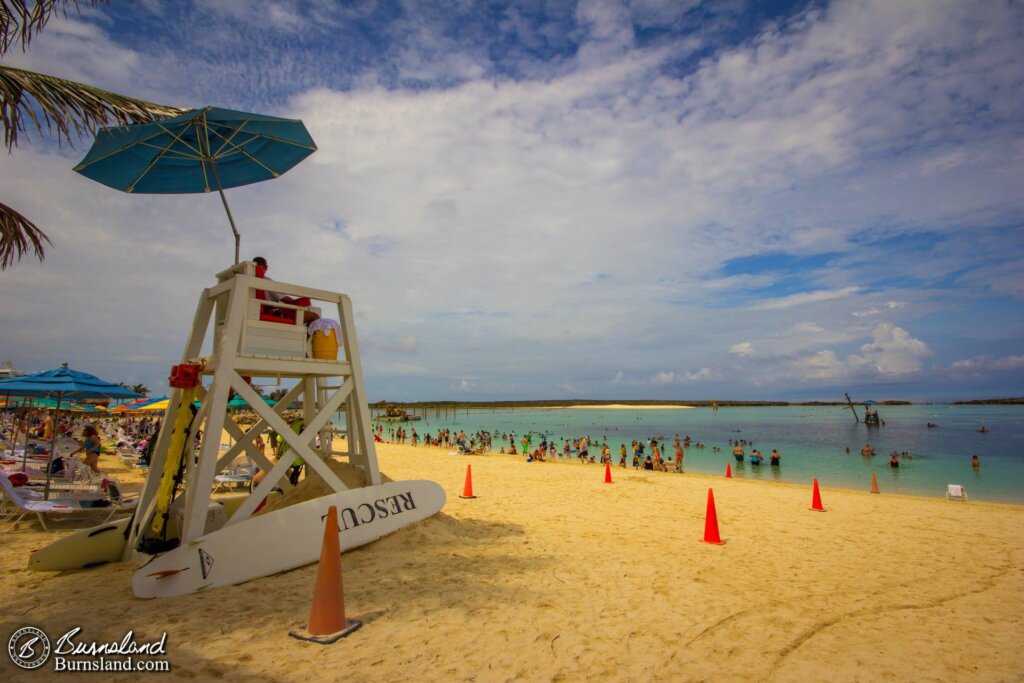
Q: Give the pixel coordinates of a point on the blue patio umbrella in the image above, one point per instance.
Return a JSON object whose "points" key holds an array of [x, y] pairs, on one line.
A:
{"points": [[62, 384], [198, 151]]}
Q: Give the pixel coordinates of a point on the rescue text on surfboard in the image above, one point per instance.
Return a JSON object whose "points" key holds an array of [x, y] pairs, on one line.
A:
{"points": [[382, 508]]}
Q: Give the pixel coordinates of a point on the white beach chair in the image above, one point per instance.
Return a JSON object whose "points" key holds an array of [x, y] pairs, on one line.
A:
{"points": [[956, 492], [19, 502], [239, 475]]}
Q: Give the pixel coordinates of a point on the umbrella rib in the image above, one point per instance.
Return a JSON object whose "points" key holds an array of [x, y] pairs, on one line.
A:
{"points": [[142, 143], [164, 153], [227, 141]]}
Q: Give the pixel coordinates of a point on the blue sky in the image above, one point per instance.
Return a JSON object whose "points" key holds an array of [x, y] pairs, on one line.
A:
{"points": [[551, 199]]}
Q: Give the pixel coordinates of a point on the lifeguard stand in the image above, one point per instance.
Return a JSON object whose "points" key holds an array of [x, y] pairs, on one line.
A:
{"points": [[252, 337]]}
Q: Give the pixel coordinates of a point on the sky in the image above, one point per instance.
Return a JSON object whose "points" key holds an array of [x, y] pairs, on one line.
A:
{"points": [[547, 199]]}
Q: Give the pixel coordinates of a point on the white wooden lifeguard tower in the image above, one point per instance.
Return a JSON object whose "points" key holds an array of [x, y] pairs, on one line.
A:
{"points": [[250, 337]]}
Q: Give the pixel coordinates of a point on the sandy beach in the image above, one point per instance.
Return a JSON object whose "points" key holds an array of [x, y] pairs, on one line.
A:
{"points": [[551, 574], [624, 406]]}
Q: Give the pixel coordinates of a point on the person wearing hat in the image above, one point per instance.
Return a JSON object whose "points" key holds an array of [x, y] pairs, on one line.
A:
{"points": [[261, 270]]}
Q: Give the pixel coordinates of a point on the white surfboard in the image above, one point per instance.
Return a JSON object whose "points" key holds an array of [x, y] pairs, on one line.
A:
{"points": [[97, 545], [285, 539], [82, 549]]}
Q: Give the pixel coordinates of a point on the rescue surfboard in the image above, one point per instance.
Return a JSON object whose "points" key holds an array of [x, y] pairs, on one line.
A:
{"points": [[285, 539]]}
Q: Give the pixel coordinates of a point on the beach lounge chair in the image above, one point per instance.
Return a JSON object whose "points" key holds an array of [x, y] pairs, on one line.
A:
{"points": [[956, 492], [234, 477], [19, 502]]}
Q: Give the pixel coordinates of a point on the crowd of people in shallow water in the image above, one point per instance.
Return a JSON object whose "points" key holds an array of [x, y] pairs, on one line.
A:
{"points": [[655, 453]]}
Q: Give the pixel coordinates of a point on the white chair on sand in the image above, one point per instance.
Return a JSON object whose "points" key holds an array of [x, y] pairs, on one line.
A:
{"points": [[956, 492], [19, 502]]}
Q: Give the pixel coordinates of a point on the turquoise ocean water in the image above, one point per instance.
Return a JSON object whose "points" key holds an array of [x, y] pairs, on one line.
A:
{"points": [[811, 440]]}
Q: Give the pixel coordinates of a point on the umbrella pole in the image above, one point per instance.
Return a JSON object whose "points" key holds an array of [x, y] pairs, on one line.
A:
{"points": [[24, 451], [53, 445], [231, 219], [14, 421]]}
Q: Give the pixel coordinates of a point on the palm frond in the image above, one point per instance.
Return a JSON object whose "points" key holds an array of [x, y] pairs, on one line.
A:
{"points": [[18, 235], [19, 21], [70, 108]]}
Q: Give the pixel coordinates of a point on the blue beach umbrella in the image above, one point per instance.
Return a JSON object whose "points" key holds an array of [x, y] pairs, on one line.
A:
{"points": [[198, 151], [62, 384]]}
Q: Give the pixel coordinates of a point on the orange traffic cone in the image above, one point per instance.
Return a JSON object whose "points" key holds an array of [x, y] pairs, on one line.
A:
{"points": [[607, 472], [728, 470], [874, 483], [327, 622], [467, 490], [816, 499], [711, 522]]}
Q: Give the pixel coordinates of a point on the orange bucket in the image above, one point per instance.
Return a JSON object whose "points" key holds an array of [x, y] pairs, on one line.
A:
{"points": [[325, 345]]}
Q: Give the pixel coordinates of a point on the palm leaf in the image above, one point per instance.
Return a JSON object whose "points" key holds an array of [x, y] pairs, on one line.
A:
{"points": [[69, 108], [19, 21], [17, 236]]}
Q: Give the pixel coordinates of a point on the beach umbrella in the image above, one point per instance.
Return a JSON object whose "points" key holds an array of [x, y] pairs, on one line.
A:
{"points": [[198, 151], [62, 384], [158, 405], [145, 403], [130, 405], [239, 403]]}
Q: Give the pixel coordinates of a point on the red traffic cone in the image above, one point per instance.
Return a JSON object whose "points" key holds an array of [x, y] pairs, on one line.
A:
{"points": [[467, 490], [607, 472], [327, 622], [711, 522], [816, 499], [874, 483], [728, 470]]}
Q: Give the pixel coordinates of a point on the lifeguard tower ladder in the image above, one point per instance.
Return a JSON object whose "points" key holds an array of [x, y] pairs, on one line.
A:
{"points": [[253, 338]]}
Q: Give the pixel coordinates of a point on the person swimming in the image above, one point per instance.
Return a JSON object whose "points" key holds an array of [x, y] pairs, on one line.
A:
{"points": [[774, 458], [894, 460]]}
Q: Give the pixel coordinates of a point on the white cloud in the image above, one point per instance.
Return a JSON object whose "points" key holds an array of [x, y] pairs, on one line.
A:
{"points": [[987, 363], [824, 365], [664, 378], [742, 349], [893, 351], [406, 345], [804, 299], [877, 310]]}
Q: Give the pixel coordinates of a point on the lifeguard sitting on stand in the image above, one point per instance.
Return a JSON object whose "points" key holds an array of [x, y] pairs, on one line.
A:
{"points": [[276, 314]]}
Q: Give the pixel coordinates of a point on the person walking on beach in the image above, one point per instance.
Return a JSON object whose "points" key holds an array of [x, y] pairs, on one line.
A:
{"points": [[91, 445], [622, 455], [679, 455], [656, 452]]}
